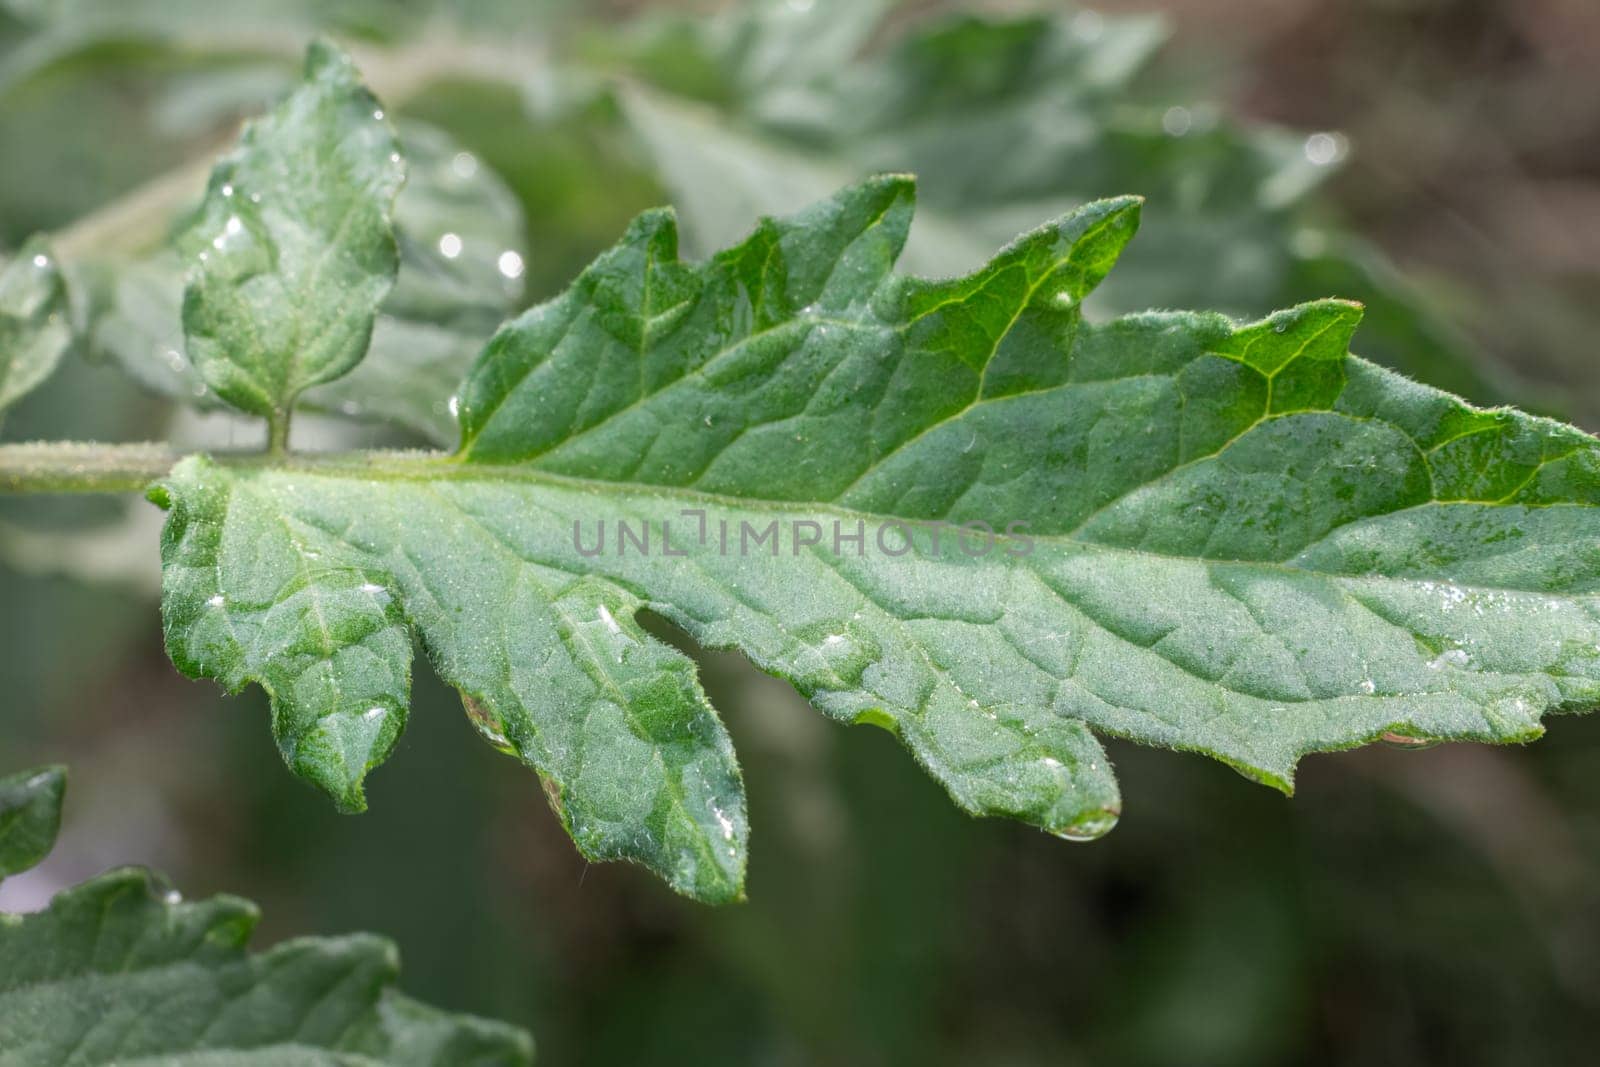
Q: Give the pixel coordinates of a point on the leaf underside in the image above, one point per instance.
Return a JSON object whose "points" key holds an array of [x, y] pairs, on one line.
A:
{"points": [[119, 970], [1232, 539]]}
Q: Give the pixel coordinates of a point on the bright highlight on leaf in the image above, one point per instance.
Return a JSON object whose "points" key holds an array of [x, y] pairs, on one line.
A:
{"points": [[121, 970], [957, 510]]}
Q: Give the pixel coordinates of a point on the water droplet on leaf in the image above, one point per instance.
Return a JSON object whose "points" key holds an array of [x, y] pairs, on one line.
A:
{"points": [[1090, 828]]}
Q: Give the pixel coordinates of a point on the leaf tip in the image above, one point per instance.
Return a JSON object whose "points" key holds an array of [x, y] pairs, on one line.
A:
{"points": [[337, 752], [324, 57]]}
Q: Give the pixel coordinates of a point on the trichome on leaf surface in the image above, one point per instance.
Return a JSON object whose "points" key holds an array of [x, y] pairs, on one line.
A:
{"points": [[1233, 539]]}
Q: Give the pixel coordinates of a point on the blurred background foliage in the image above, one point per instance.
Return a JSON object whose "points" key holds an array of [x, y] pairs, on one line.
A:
{"points": [[1437, 159]]}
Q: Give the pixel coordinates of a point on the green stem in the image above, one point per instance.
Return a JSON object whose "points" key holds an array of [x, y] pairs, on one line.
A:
{"points": [[278, 433], [86, 467], [79, 467]]}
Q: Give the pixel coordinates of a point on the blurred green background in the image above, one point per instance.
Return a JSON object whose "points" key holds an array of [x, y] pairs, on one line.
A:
{"points": [[1438, 159]]}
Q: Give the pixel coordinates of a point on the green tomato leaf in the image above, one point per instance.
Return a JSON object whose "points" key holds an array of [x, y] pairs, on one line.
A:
{"points": [[30, 816], [958, 510], [121, 970], [293, 248], [34, 326], [741, 117], [462, 259], [551, 665], [461, 255]]}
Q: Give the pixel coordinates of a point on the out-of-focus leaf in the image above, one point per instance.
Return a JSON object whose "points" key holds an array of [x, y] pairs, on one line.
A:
{"points": [[460, 234], [1231, 539], [30, 816], [1005, 120], [293, 248], [120, 970], [461, 265], [461, 260], [34, 326]]}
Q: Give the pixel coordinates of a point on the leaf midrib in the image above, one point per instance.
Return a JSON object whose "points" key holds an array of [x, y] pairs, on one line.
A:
{"points": [[432, 467]]}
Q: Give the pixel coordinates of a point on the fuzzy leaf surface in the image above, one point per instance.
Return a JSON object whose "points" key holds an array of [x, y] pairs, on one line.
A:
{"points": [[1233, 539]]}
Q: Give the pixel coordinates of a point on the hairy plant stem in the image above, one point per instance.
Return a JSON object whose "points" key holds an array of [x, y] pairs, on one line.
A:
{"points": [[87, 467]]}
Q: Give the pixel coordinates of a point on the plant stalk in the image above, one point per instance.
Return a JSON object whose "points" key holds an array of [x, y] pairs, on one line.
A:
{"points": [[89, 467], [82, 467]]}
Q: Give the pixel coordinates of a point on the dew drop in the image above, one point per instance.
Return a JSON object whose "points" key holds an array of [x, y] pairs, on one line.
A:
{"points": [[510, 264], [845, 651], [465, 164], [454, 406], [1090, 828], [41, 261], [1323, 149], [217, 601], [374, 713], [450, 246], [172, 897], [1177, 121]]}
